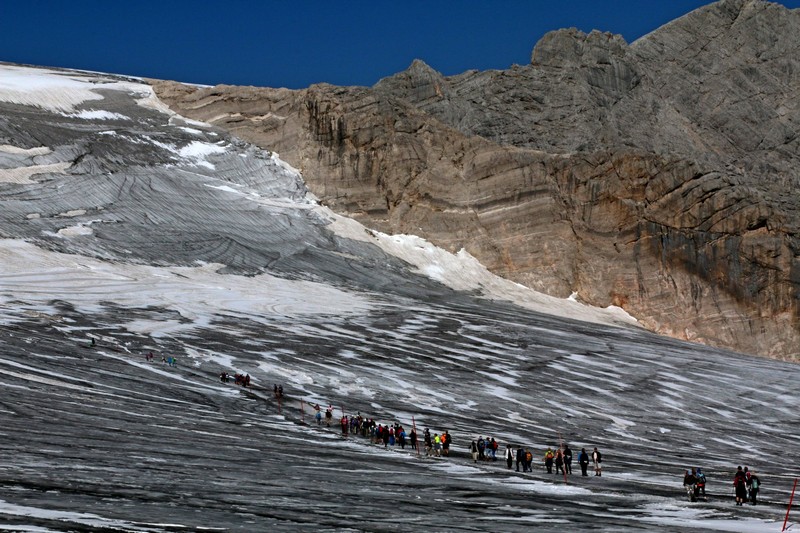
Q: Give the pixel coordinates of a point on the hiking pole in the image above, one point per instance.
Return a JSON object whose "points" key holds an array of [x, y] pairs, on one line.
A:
{"points": [[791, 498]]}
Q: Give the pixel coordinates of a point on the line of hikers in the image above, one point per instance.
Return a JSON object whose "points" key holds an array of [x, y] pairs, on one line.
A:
{"points": [[243, 380], [745, 483], [389, 435], [561, 458], [166, 359]]}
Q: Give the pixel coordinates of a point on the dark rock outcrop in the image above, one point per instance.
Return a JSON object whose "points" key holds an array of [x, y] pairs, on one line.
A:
{"points": [[658, 176]]}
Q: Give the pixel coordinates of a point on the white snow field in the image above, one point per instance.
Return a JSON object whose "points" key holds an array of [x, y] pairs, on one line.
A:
{"points": [[125, 224]]}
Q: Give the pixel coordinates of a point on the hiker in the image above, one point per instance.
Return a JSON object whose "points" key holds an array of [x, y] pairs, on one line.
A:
{"points": [[548, 460], [740, 485], [280, 388], [446, 440], [510, 457], [318, 415], [328, 416], [428, 442], [529, 460], [755, 486], [473, 450], [493, 449], [437, 445], [401, 437], [560, 463], [597, 459], [481, 449], [747, 482], [413, 438], [583, 460], [689, 485], [701, 483], [344, 423], [567, 459], [520, 458]]}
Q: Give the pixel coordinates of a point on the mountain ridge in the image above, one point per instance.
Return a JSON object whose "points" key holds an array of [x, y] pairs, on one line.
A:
{"points": [[627, 174]]}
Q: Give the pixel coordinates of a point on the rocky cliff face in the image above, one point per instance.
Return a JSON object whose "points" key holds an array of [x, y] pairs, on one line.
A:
{"points": [[659, 176]]}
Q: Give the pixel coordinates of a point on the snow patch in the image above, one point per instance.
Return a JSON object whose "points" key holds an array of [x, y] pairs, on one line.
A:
{"points": [[40, 150], [24, 174], [97, 114], [197, 294], [461, 271], [197, 152]]}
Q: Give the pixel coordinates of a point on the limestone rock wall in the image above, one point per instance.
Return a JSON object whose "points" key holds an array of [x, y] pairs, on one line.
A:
{"points": [[637, 175]]}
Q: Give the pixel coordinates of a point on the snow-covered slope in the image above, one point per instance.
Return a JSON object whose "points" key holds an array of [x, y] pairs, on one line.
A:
{"points": [[125, 223]]}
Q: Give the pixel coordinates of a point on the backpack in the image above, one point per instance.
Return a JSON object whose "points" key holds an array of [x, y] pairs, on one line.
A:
{"points": [[528, 456], [754, 482]]}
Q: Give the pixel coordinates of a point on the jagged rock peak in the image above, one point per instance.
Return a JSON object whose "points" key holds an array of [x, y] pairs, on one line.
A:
{"points": [[419, 80], [570, 47]]}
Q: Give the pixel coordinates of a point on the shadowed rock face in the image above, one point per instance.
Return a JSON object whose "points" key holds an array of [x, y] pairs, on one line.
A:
{"points": [[658, 176]]}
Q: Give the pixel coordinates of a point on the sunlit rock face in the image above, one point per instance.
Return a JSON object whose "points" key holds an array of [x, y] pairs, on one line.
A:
{"points": [[658, 175]]}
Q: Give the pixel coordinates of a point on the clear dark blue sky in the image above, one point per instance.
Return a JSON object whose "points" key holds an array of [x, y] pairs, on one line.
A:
{"points": [[296, 43]]}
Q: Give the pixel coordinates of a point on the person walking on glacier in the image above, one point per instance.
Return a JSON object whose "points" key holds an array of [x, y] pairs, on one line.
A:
{"points": [[701, 483], [510, 457], [567, 459], [583, 460], [548, 460], [529, 460], [559, 462], [755, 486], [597, 459], [740, 486], [473, 450]]}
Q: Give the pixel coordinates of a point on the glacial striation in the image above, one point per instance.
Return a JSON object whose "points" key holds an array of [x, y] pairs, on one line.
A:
{"points": [[659, 176]]}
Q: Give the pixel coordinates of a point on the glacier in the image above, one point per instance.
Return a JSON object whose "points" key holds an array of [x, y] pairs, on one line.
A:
{"points": [[124, 223]]}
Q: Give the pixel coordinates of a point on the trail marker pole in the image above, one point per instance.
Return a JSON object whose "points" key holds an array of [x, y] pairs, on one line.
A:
{"points": [[791, 498], [302, 413]]}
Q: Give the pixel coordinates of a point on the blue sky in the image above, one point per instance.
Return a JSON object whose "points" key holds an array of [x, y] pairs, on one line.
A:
{"points": [[296, 43]]}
